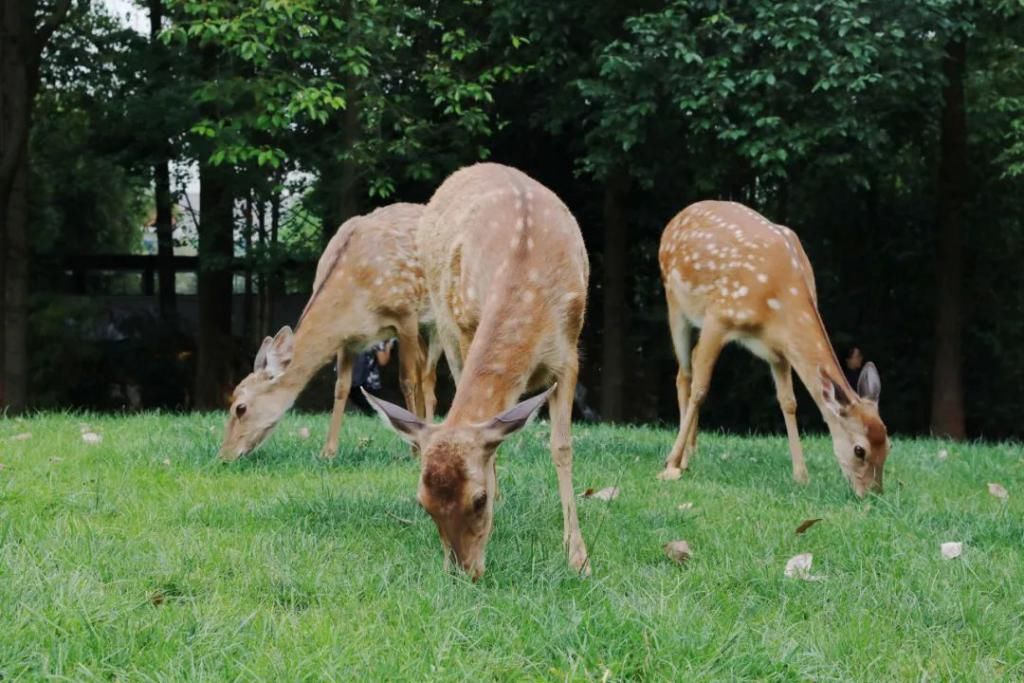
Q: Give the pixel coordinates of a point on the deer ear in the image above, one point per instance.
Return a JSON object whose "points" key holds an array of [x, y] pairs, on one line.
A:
{"points": [[834, 395], [261, 356], [405, 424], [869, 384], [279, 352], [515, 418]]}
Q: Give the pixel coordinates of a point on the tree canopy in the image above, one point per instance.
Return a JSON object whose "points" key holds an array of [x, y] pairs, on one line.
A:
{"points": [[888, 135]]}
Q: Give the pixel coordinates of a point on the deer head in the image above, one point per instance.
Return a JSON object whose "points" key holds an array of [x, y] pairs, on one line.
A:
{"points": [[259, 401], [457, 478], [859, 437]]}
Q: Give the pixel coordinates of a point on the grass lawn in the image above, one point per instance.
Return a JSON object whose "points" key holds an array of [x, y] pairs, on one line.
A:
{"points": [[141, 558]]}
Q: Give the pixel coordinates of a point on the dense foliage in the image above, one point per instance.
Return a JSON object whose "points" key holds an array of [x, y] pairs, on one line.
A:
{"points": [[830, 117]]}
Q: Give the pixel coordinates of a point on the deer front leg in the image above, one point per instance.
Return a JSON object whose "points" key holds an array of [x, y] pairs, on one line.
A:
{"points": [[783, 376], [560, 410], [712, 338], [342, 385], [450, 344]]}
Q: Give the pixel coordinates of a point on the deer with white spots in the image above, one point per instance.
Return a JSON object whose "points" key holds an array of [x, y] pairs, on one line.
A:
{"points": [[507, 273], [738, 277], [368, 286]]}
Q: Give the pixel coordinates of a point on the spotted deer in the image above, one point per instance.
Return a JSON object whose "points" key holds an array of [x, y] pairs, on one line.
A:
{"points": [[739, 277], [507, 273], [368, 286]]}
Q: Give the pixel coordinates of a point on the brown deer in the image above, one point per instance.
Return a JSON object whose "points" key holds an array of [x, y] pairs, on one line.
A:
{"points": [[738, 277], [507, 273], [369, 286]]}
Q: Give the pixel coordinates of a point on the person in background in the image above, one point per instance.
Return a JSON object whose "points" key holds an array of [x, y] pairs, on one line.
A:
{"points": [[366, 372], [852, 365]]}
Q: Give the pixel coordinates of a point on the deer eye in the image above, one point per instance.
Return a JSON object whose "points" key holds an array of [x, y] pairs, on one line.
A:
{"points": [[479, 502], [859, 452], [240, 409]]}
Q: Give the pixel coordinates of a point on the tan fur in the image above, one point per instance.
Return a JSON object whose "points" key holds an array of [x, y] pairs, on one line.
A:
{"points": [[739, 277], [369, 286], [507, 273]]}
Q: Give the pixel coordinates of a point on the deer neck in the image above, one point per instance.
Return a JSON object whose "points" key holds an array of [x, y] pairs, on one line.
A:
{"points": [[810, 349], [496, 372], [310, 352]]}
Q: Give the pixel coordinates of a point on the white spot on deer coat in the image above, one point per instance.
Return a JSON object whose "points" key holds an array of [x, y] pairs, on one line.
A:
{"points": [[774, 304]]}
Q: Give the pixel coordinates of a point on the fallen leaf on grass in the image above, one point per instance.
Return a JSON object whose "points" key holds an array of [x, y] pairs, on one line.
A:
{"points": [[55, 459], [157, 598], [943, 454], [678, 551], [725, 456], [998, 491], [951, 550], [303, 432], [22, 437], [2, 466], [807, 524], [684, 506], [799, 567], [91, 437], [167, 461], [610, 493]]}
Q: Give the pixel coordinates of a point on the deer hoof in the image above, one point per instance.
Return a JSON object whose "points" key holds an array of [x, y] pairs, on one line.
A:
{"points": [[800, 476], [579, 562], [328, 453], [670, 473]]}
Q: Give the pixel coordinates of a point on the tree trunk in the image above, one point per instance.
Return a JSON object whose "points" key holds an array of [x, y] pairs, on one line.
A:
{"points": [[15, 330], [162, 191], [348, 201], [263, 326], [247, 309], [19, 69], [614, 297], [216, 246], [947, 388], [277, 287]]}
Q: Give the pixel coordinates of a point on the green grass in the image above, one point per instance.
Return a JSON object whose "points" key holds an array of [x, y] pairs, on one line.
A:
{"points": [[141, 558]]}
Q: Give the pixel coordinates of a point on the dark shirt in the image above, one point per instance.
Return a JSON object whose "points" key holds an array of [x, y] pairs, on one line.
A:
{"points": [[366, 372]]}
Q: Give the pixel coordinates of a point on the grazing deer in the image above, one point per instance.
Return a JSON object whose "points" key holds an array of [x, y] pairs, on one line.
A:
{"points": [[368, 286], [507, 273], [739, 277]]}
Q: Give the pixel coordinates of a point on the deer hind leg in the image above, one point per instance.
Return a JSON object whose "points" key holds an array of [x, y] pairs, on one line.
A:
{"points": [[342, 385], [712, 339], [783, 376], [680, 329], [560, 409], [410, 359], [431, 350]]}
